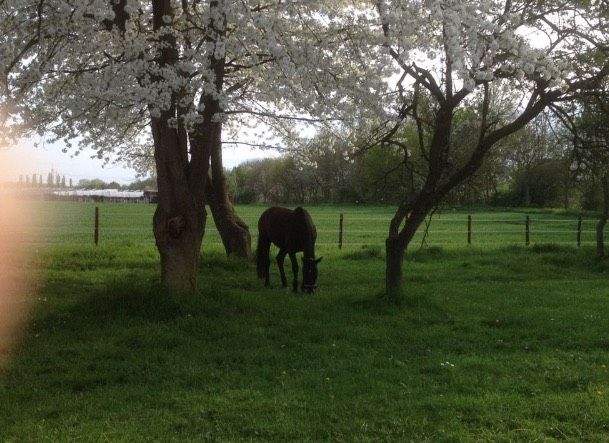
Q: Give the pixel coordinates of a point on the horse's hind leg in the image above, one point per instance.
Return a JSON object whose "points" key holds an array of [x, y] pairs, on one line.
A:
{"points": [[267, 268], [280, 259], [267, 278], [294, 271], [263, 261]]}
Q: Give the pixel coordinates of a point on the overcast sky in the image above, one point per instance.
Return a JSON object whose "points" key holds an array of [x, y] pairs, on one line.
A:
{"points": [[27, 160]]}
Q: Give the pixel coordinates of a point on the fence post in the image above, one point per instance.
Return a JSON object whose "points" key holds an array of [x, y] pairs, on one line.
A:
{"points": [[340, 232], [527, 231], [579, 231], [96, 233], [469, 229]]}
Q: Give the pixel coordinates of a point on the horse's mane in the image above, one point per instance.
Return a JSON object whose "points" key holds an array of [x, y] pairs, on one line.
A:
{"points": [[302, 219], [305, 228]]}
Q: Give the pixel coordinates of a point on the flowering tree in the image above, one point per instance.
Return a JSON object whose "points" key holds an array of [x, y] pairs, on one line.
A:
{"points": [[455, 54], [180, 76]]}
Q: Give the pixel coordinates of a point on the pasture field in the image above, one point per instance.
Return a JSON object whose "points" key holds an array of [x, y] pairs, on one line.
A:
{"points": [[493, 342], [57, 223]]}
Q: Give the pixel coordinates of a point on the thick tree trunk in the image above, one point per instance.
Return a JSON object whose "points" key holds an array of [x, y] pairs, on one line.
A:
{"points": [[600, 225], [179, 220], [232, 229], [178, 240]]}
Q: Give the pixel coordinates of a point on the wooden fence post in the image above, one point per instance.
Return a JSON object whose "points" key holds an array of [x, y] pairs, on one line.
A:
{"points": [[579, 231], [469, 229], [96, 233], [340, 232], [527, 231]]}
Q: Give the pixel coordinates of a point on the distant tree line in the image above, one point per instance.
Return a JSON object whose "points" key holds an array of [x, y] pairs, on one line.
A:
{"points": [[59, 181], [137, 185], [532, 168], [54, 180]]}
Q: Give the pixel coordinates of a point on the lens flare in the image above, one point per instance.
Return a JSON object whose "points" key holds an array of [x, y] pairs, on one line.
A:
{"points": [[15, 217]]}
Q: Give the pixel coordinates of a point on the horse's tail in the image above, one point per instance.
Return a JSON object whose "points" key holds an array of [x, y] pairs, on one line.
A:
{"points": [[262, 255]]}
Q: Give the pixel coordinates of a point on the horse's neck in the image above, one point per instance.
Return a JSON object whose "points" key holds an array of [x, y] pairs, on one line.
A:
{"points": [[305, 234], [308, 249], [308, 240]]}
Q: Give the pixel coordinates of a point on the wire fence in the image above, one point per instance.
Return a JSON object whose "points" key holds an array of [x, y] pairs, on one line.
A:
{"points": [[132, 224]]}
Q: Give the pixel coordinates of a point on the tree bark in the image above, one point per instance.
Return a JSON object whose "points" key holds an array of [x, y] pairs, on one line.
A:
{"points": [[178, 240], [182, 160], [233, 230], [600, 225], [414, 212], [394, 251], [179, 219]]}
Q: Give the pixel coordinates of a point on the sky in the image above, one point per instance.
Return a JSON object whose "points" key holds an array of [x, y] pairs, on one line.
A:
{"points": [[26, 159]]}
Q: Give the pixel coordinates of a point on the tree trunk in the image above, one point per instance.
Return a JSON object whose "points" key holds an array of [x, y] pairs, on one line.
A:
{"points": [[178, 240], [600, 226], [232, 229], [182, 158], [179, 220], [414, 212], [395, 250]]}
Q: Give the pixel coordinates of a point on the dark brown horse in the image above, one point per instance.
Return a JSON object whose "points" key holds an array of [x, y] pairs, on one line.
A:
{"points": [[292, 232]]}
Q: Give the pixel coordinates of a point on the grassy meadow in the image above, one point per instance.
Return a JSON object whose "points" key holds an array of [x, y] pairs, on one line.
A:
{"points": [[493, 342], [120, 224]]}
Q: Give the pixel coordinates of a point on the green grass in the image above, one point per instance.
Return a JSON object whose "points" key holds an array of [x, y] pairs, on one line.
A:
{"points": [[58, 223], [494, 343]]}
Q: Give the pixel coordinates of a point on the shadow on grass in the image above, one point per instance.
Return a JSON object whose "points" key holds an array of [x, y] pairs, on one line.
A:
{"points": [[365, 253], [117, 301], [229, 291]]}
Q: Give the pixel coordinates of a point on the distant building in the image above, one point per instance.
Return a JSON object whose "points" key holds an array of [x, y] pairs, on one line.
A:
{"points": [[151, 196], [101, 195]]}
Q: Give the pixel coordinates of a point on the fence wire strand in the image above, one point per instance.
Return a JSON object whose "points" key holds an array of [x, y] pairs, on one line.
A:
{"points": [[116, 226]]}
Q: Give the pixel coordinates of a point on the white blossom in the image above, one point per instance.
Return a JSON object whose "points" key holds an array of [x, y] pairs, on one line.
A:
{"points": [[327, 60]]}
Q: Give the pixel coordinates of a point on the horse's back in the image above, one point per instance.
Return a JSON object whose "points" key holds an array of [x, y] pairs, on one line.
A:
{"points": [[305, 223], [274, 224], [274, 216], [291, 230]]}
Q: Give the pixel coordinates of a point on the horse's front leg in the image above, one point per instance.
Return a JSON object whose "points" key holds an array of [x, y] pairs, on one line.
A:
{"points": [[280, 259], [294, 271]]}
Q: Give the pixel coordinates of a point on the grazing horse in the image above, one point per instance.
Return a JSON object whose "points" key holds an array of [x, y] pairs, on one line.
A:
{"points": [[291, 231]]}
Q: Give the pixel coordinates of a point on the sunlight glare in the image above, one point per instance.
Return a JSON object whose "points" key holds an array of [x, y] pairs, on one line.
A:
{"points": [[15, 218]]}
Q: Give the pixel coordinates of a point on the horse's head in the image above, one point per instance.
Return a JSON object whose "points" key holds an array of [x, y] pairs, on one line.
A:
{"points": [[309, 274]]}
